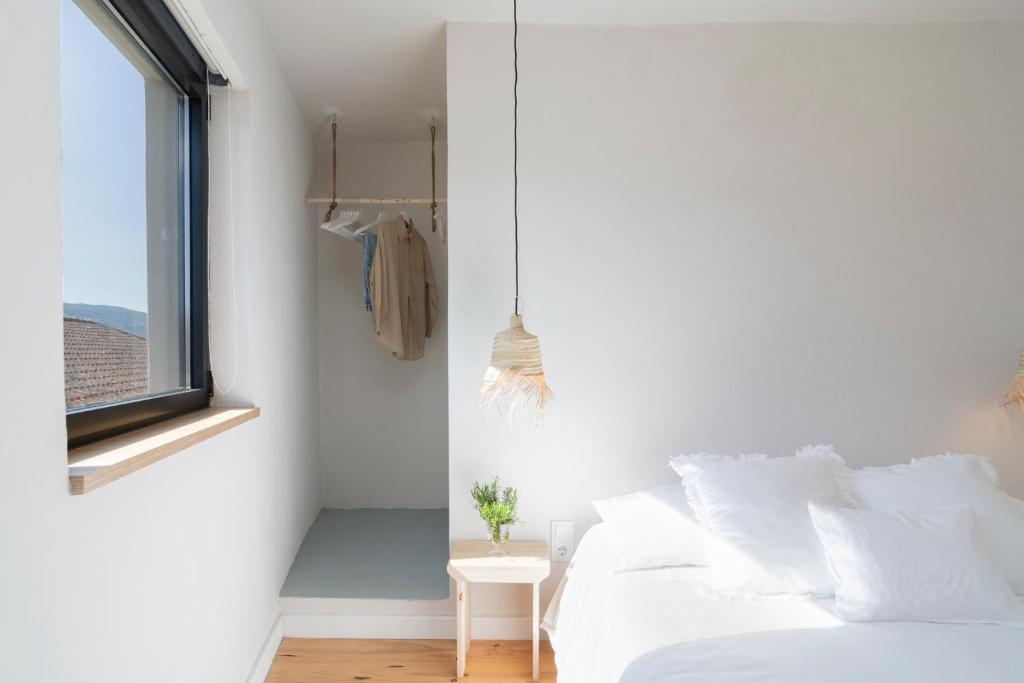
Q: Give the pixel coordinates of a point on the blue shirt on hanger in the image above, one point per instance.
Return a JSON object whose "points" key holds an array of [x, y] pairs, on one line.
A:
{"points": [[369, 249]]}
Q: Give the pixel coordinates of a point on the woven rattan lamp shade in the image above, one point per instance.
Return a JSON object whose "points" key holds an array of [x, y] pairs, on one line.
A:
{"points": [[514, 383], [1016, 392]]}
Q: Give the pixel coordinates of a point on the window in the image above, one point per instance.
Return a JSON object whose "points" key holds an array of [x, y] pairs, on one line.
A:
{"points": [[134, 176]]}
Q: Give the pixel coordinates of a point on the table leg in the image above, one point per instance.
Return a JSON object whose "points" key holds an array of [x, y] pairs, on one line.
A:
{"points": [[469, 616], [460, 629], [536, 631]]}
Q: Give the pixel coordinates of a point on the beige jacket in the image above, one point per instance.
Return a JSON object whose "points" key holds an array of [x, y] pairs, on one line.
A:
{"points": [[403, 290]]}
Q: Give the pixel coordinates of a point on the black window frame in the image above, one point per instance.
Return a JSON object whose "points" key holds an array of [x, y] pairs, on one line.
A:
{"points": [[159, 32]]}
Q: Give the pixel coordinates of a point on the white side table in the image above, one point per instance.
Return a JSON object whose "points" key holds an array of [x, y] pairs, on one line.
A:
{"points": [[471, 562]]}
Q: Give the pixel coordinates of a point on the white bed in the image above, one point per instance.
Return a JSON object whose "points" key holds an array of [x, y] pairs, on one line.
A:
{"points": [[663, 625]]}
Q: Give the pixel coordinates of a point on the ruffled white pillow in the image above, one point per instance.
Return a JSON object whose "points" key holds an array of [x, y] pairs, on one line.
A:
{"points": [[654, 528], [757, 510], [925, 566], [943, 480], [679, 462]]}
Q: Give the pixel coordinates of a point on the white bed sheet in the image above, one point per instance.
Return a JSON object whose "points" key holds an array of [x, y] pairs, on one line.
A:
{"points": [[663, 625]]}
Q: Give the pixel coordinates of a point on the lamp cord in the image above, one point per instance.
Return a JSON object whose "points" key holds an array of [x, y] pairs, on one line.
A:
{"points": [[515, 144]]}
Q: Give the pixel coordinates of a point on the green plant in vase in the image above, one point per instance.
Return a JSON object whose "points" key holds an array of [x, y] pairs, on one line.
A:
{"points": [[499, 509]]}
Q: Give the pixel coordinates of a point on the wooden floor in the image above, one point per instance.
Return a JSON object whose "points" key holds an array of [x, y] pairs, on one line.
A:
{"points": [[313, 660]]}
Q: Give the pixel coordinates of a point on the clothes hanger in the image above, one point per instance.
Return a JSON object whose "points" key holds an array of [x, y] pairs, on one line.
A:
{"points": [[372, 224], [380, 219], [342, 224]]}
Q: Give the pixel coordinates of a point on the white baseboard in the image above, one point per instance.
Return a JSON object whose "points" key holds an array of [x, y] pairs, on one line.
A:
{"points": [[417, 627], [261, 667], [367, 607]]}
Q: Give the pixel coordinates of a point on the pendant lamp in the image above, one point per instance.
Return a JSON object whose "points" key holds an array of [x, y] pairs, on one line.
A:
{"points": [[1016, 392], [514, 384]]}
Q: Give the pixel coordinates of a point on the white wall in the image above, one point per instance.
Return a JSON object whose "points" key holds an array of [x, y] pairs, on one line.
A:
{"points": [[383, 422], [173, 573], [736, 238]]}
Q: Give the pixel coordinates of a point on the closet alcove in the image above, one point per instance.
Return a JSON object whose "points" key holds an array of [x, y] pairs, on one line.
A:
{"points": [[383, 529]]}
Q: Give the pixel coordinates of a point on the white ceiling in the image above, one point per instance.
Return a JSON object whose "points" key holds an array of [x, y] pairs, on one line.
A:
{"points": [[381, 62]]}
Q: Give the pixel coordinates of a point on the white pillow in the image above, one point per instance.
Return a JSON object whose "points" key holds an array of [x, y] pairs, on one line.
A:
{"points": [[654, 528], [924, 566], [679, 462], [757, 510], [941, 481]]}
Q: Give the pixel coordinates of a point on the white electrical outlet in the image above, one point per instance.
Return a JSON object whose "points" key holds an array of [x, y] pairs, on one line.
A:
{"points": [[561, 541]]}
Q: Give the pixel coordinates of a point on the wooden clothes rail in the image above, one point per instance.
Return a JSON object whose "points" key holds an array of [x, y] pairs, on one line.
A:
{"points": [[376, 200]]}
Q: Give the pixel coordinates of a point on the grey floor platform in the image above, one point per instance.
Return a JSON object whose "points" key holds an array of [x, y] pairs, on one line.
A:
{"points": [[368, 553]]}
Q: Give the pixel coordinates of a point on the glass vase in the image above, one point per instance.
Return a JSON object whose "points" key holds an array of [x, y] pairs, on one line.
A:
{"points": [[498, 536]]}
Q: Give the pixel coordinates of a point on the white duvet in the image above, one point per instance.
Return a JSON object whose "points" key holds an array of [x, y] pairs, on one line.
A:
{"points": [[664, 625]]}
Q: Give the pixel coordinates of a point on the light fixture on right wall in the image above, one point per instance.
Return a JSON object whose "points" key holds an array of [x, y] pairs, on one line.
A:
{"points": [[1016, 392]]}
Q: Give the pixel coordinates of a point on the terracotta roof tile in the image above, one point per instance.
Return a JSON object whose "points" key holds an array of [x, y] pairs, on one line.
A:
{"points": [[102, 364]]}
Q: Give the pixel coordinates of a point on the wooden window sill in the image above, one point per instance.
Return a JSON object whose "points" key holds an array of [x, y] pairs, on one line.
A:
{"points": [[97, 464]]}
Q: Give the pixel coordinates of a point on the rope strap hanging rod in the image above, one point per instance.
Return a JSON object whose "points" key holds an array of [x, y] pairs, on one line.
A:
{"points": [[376, 200], [335, 200], [433, 177], [334, 170]]}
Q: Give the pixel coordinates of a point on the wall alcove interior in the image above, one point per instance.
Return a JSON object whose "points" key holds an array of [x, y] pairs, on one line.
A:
{"points": [[383, 530]]}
